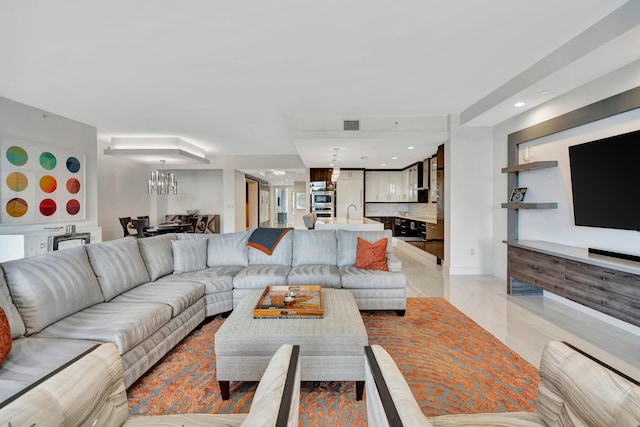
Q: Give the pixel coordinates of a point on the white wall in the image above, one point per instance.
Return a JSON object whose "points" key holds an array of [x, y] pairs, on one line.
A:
{"points": [[197, 189], [557, 225], [294, 218], [123, 191], [37, 126], [554, 184], [469, 199]]}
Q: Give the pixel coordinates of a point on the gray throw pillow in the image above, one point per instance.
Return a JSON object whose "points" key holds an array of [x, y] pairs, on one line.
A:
{"points": [[189, 255]]}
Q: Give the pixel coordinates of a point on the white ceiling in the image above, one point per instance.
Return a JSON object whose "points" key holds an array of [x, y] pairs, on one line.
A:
{"points": [[278, 77]]}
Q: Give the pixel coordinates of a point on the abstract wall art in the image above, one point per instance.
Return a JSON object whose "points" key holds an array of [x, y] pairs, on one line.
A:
{"points": [[40, 183]]}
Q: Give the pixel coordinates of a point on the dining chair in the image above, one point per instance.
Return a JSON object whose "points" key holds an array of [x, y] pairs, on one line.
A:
{"points": [[124, 222]]}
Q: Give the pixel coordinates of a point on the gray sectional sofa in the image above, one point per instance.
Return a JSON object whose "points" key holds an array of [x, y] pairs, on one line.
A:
{"points": [[145, 295]]}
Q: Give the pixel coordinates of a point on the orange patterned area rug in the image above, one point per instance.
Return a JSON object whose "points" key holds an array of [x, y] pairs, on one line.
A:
{"points": [[452, 365]]}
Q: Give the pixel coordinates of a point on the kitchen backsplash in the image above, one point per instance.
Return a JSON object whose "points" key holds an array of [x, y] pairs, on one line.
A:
{"points": [[416, 210]]}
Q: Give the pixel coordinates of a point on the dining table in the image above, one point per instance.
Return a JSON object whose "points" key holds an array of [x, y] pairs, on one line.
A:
{"points": [[172, 227]]}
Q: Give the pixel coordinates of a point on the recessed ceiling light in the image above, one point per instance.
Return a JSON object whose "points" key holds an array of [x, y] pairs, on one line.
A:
{"points": [[544, 92], [331, 164], [411, 147], [384, 164], [394, 158], [519, 104]]}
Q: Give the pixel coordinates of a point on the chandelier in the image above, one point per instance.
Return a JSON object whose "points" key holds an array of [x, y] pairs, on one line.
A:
{"points": [[163, 182]]}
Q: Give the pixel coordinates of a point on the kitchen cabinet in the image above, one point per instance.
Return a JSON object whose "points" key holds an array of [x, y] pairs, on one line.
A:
{"points": [[350, 190], [383, 186], [320, 174], [411, 181]]}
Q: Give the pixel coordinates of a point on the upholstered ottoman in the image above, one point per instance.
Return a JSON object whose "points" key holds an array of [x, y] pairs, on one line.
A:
{"points": [[331, 348]]}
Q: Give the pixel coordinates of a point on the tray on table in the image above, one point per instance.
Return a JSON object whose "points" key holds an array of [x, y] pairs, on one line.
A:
{"points": [[307, 303]]}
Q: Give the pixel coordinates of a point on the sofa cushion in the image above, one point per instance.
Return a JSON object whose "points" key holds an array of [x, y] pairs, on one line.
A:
{"points": [[281, 255], [5, 336], [189, 255], [15, 321], [157, 254], [33, 358], [125, 325], [348, 244], [315, 247], [179, 296], [353, 277], [228, 249], [51, 286], [327, 276], [118, 266], [216, 279], [372, 256], [259, 276]]}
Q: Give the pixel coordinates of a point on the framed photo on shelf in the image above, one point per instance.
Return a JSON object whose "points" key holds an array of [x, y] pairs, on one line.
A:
{"points": [[517, 195]]}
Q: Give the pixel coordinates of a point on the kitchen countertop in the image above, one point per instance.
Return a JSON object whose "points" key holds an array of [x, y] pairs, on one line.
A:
{"points": [[351, 224]]}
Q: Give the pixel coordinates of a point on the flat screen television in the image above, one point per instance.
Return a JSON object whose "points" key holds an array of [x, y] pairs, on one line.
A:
{"points": [[605, 182]]}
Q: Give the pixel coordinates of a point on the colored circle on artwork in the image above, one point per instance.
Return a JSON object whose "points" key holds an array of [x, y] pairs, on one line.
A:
{"points": [[17, 156], [73, 185], [48, 207], [48, 160], [17, 207], [48, 184], [73, 207], [73, 164], [17, 181]]}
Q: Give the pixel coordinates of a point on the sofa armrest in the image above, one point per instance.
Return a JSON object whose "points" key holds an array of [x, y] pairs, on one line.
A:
{"points": [[389, 400], [576, 385], [394, 263], [277, 398], [87, 391]]}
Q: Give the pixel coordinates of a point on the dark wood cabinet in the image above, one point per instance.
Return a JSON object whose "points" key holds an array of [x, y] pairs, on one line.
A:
{"points": [[320, 174], [549, 273], [607, 290], [615, 293]]}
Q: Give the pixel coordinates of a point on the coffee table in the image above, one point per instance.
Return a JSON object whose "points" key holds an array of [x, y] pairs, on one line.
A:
{"points": [[331, 348]]}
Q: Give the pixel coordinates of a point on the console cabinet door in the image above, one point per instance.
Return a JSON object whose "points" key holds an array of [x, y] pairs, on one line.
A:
{"points": [[521, 265], [549, 273], [615, 293]]}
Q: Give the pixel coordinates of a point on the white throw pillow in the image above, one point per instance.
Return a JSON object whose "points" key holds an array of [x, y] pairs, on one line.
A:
{"points": [[189, 255]]}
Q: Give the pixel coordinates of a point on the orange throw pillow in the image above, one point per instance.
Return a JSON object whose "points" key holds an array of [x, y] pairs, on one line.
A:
{"points": [[372, 256], [5, 336]]}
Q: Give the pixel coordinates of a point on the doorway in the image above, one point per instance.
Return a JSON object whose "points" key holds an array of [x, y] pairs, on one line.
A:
{"points": [[252, 203]]}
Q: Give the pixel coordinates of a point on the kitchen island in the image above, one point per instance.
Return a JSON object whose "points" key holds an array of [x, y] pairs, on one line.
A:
{"points": [[357, 224]]}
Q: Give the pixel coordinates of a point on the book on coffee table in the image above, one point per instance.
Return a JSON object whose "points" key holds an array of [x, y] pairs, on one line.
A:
{"points": [[290, 302]]}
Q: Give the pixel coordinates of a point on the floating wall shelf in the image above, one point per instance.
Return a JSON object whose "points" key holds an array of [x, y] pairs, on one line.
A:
{"points": [[530, 166], [544, 205]]}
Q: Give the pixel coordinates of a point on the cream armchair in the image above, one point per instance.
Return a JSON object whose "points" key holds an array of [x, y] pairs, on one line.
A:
{"points": [[575, 390], [90, 392]]}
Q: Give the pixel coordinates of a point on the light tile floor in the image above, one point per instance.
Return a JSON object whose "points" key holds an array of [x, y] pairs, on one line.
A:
{"points": [[523, 323]]}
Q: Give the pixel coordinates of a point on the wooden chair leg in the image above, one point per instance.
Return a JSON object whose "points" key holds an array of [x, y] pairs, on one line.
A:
{"points": [[359, 389], [224, 389]]}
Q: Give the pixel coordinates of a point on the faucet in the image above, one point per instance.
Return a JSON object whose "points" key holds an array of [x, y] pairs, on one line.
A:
{"points": [[349, 207]]}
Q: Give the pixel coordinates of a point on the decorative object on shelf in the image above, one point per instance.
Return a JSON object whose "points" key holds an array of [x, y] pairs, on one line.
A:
{"points": [[163, 182], [528, 155], [517, 195], [193, 212]]}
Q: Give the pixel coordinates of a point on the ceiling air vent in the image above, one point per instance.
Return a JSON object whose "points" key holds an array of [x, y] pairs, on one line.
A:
{"points": [[352, 125]]}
